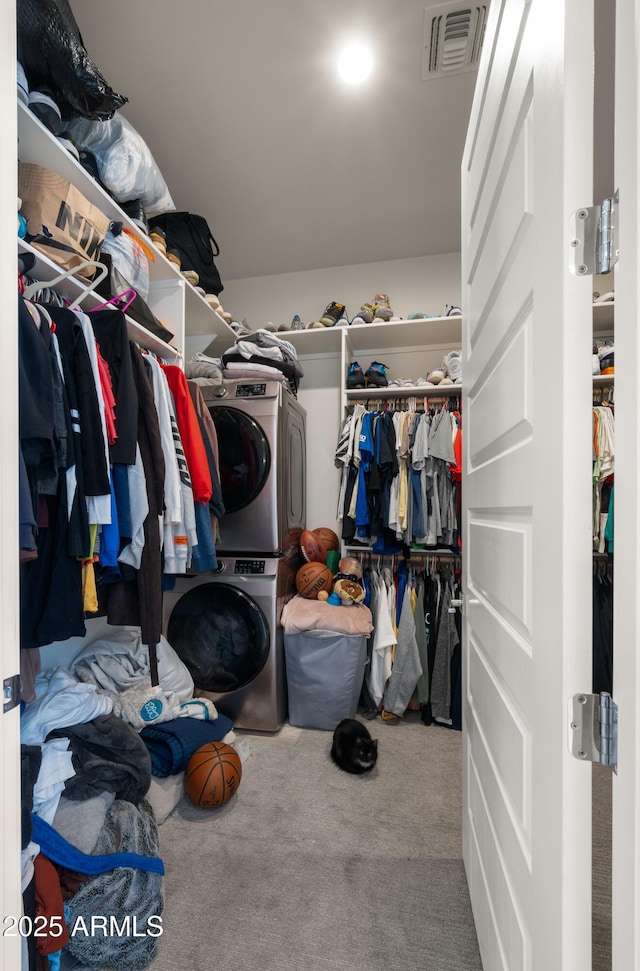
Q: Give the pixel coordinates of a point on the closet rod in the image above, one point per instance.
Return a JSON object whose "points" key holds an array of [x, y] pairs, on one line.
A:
{"points": [[359, 394], [414, 554]]}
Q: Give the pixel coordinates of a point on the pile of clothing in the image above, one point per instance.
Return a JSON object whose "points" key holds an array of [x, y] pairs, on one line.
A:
{"points": [[261, 356], [93, 739]]}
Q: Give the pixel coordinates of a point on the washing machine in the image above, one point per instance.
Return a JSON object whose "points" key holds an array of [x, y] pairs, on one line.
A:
{"points": [[226, 628], [262, 464]]}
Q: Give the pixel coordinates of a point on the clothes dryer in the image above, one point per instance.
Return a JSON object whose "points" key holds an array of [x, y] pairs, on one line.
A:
{"points": [[262, 464], [226, 628]]}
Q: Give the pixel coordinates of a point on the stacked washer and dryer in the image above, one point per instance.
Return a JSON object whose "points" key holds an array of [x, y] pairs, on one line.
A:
{"points": [[226, 625]]}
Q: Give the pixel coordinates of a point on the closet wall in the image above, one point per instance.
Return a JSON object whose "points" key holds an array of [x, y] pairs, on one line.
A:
{"points": [[423, 283]]}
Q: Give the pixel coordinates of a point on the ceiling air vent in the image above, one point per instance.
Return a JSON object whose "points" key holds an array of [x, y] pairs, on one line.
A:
{"points": [[453, 36]]}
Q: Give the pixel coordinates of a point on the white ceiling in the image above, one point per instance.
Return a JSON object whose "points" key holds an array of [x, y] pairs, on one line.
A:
{"points": [[293, 170]]}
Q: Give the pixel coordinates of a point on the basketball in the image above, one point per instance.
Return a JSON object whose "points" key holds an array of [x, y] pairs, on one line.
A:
{"points": [[327, 537], [311, 547], [312, 578], [212, 775]]}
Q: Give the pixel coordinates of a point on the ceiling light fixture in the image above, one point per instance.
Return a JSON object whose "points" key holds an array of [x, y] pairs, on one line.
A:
{"points": [[355, 63]]}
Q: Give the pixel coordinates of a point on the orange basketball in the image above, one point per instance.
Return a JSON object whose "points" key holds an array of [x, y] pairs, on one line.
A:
{"points": [[327, 537], [212, 775], [312, 578]]}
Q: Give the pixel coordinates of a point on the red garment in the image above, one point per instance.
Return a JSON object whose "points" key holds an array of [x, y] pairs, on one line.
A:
{"points": [[189, 428], [106, 387], [49, 904], [456, 470]]}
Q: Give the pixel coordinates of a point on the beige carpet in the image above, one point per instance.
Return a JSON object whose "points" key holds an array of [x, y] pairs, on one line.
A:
{"points": [[311, 868]]}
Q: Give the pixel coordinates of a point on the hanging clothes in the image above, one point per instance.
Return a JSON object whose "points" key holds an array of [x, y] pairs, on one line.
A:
{"points": [[414, 649], [397, 486], [105, 483]]}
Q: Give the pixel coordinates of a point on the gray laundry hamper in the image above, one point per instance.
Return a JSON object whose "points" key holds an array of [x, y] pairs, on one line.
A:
{"points": [[325, 671]]}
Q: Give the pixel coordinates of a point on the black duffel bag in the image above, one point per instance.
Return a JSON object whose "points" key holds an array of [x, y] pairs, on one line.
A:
{"points": [[190, 237]]}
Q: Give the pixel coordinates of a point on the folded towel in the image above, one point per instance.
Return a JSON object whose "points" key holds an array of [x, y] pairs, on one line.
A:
{"points": [[172, 744]]}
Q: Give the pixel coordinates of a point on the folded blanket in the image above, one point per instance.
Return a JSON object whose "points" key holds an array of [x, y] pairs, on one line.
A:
{"points": [[204, 369], [251, 373], [108, 756], [299, 615], [172, 744]]}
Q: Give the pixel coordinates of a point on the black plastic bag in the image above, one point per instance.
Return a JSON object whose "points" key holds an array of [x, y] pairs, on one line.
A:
{"points": [[190, 237], [53, 55]]}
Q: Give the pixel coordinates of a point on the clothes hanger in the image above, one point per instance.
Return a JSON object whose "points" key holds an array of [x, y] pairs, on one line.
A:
{"points": [[33, 288], [118, 296]]}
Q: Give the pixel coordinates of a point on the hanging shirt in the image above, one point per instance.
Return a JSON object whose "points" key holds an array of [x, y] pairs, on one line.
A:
{"points": [[384, 639], [190, 434]]}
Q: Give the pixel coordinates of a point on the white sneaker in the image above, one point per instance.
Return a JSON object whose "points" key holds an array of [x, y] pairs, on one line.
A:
{"points": [[452, 364]]}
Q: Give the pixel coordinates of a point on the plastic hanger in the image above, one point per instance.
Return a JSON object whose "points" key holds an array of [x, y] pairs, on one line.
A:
{"points": [[119, 296], [33, 288]]}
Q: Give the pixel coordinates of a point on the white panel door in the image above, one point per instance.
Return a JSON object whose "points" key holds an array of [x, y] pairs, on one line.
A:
{"points": [[626, 623], [527, 520], [10, 900]]}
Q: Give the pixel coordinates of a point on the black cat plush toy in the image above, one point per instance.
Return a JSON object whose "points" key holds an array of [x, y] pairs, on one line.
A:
{"points": [[353, 749]]}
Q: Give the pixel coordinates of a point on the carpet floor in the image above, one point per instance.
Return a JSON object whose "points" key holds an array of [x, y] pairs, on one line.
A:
{"points": [[310, 868]]}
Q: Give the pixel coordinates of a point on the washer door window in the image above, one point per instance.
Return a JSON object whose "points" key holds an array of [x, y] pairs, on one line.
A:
{"points": [[245, 457], [222, 636]]}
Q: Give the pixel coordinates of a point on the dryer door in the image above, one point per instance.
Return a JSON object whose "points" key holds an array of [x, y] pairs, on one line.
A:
{"points": [[222, 636], [245, 456]]}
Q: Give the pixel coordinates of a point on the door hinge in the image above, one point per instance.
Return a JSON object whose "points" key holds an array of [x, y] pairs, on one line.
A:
{"points": [[593, 729], [594, 238], [10, 693]]}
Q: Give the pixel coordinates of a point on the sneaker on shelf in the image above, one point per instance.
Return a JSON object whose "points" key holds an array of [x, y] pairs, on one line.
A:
{"points": [[173, 257], [364, 315], [296, 323], [450, 310], [65, 140], [606, 355], [424, 383], [376, 375], [314, 323], [342, 322], [45, 107], [23, 85], [436, 376], [213, 302], [382, 307], [159, 239], [355, 377], [333, 313], [608, 297], [134, 209], [191, 277], [452, 364]]}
